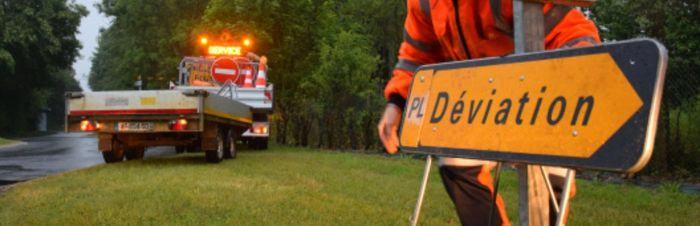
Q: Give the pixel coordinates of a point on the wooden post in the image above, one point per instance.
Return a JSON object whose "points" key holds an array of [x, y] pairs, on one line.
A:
{"points": [[528, 21], [533, 197]]}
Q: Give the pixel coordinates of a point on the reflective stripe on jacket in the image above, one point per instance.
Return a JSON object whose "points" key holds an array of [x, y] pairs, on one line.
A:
{"points": [[432, 34]]}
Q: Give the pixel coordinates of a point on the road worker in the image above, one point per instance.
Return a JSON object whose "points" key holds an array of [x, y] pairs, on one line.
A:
{"points": [[440, 31]]}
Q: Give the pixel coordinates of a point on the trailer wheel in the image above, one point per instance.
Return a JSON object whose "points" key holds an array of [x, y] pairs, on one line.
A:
{"points": [[116, 154], [135, 153], [215, 156], [230, 145]]}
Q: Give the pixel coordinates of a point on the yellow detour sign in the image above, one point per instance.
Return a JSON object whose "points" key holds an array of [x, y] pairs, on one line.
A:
{"points": [[592, 108]]}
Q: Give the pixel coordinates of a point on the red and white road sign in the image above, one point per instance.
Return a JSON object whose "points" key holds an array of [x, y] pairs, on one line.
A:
{"points": [[224, 69]]}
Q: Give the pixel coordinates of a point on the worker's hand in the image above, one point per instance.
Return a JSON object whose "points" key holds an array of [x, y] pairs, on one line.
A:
{"points": [[388, 127]]}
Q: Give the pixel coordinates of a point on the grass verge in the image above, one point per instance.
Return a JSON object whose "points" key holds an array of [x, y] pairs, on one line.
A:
{"points": [[294, 186], [4, 141]]}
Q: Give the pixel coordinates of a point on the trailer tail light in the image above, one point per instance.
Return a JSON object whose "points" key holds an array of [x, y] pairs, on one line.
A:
{"points": [[180, 124], [260, 129], [87, 125]]}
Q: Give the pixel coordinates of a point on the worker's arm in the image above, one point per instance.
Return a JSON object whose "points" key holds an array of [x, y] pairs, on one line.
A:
{"points": [[420, 46]]}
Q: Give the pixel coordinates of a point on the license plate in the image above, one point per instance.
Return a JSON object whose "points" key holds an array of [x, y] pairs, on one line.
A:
{"points": [[135, 126]]}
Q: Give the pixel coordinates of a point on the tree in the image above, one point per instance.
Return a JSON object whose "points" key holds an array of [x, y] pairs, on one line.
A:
{"points": [[146, 39], [343, 87], [37, 48]]}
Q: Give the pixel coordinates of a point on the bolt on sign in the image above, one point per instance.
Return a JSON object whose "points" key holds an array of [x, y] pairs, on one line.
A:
{"points": [[593, 108]]}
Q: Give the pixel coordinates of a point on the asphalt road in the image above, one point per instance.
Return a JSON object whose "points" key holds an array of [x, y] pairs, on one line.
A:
{"points": [[47, 155]]}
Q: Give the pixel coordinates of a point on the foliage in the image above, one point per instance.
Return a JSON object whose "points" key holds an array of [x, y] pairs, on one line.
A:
{"points": [[341, 90], [37, 48], [146, 39]]}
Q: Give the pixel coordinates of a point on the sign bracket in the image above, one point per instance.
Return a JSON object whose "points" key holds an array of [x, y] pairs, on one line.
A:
{"points": [[570, 174], [421, 191]]}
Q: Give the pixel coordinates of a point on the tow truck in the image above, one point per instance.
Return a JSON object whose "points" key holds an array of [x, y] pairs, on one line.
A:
{"points": [[220, 99]]}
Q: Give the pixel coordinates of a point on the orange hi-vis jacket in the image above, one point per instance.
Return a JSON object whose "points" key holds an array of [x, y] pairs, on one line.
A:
{"points": [[435, 32]]}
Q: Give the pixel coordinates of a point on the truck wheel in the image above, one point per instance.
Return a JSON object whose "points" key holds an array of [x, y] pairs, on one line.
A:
{"points": [[116, 154], [215, 156], [112, 156], [231, 151], [179, 149], [135, 153]]}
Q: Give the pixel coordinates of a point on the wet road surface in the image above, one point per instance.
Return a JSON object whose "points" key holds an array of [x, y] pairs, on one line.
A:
{"points": [[47, 155]]}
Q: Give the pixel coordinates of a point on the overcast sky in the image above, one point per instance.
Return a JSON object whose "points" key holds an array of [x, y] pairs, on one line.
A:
{"points": [[89, 30]]}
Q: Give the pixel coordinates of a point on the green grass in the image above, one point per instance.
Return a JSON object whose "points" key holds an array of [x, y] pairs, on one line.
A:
{"points": [[4, 141], [293, 186]]}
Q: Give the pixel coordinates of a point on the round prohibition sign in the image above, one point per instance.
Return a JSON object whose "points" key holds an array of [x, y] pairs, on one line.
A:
{"points": [[224, 69]]}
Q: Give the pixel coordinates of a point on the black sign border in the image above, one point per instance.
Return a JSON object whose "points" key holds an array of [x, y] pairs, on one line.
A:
{"points": [[629, 148]]}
